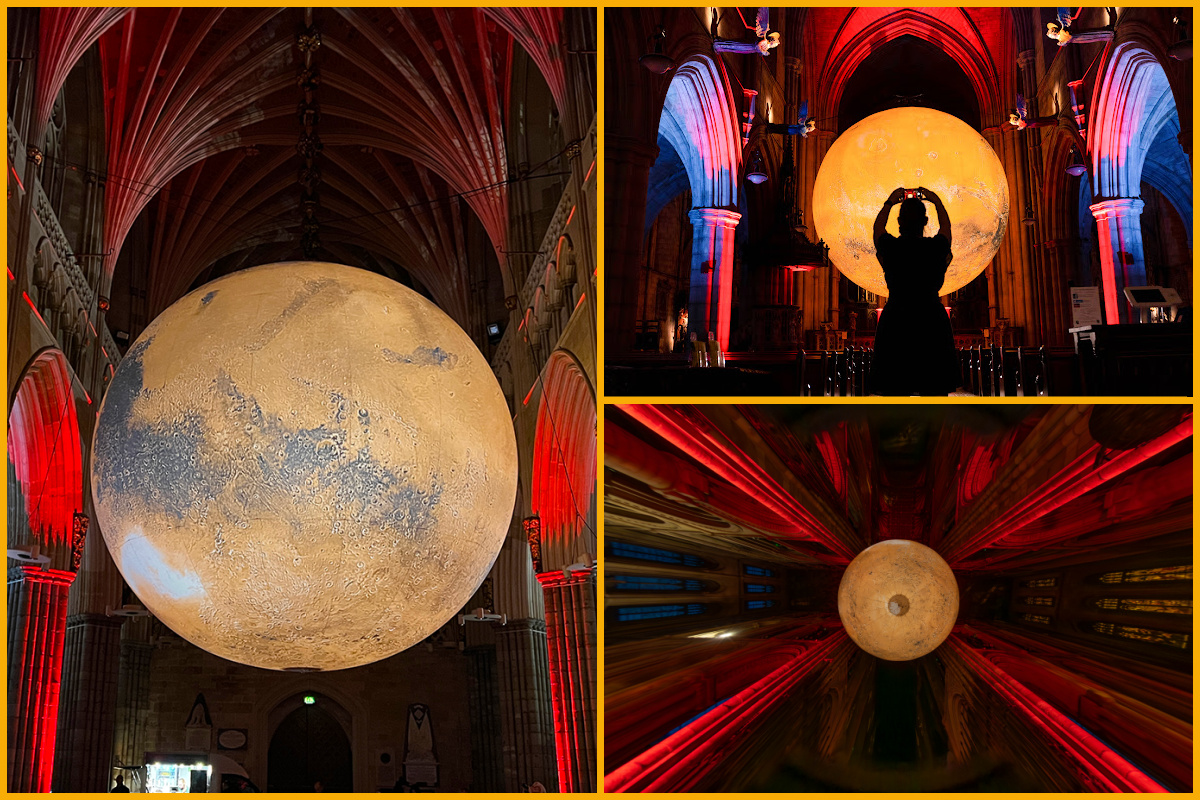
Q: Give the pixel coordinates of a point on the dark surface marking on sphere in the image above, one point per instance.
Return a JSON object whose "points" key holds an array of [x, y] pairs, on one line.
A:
{"points": [[208, 297], [158, 463], [401, 505], [164, 464], [275, 326], [423, 356], [339, 402]]}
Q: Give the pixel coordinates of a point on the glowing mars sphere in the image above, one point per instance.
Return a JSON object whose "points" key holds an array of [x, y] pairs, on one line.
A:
{"points": [[898, 600], [304, 466], [908, 148]]}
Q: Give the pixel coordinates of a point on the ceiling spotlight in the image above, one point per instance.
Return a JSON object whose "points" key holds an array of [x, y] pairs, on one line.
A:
{"points": [[656, 61], [1076, 167]]}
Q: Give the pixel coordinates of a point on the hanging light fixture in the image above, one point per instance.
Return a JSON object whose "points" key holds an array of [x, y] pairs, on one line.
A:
{"points": [[1076, 167], [656, 61], [756, 174], [1181, 50]]}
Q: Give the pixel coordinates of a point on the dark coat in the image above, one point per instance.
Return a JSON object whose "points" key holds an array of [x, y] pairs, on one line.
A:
{"points": [[914, 344]]}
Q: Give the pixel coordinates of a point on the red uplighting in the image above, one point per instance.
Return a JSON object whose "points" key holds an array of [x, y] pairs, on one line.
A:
{"points": [[35, 310], [587, 177]]}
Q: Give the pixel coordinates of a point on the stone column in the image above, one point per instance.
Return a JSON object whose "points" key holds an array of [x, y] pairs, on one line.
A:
{"points": [[87, 714], [523, 671], [133, 697], [91, 666], [711, 295], [487, 757], [627, 165], [1059, 264], [521, 664], [1122, 262], [37, 621], [571, 638]]}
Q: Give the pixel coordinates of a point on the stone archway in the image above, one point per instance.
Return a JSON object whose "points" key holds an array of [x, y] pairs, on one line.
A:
{"points": [[310, 742], [699, 120], [45, 481], [45, 452], [1135, 106], [563, 496]]}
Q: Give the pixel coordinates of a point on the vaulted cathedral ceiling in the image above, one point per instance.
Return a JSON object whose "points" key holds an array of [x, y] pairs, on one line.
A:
{"points": [[204, 110], [991, 488]]}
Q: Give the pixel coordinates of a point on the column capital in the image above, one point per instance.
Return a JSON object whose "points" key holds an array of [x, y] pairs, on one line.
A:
{"points": [[716, 217], [1114, 207], [56, 577], [550, 580], [1025, 59]]}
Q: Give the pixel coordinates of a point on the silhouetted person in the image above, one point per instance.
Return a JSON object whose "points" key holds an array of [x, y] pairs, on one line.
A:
{"points": [[914, 345], [120, 787]]}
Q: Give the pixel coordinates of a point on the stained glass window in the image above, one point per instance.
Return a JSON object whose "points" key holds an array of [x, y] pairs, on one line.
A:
{"points": [[1040, 583], [1038, 601], [632, 613], [1180, 573], [1170, 639], [756, 604], [642, 583], [626, 550], [1038, 618], [764, 588], [761, 572], [1153, 605]]}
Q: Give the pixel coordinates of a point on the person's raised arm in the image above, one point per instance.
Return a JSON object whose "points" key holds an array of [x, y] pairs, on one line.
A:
{"points": [[943, 217], [881, 220]]}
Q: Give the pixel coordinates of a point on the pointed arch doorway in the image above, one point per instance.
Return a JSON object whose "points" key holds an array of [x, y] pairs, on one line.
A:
{"points": [[310, 742]]}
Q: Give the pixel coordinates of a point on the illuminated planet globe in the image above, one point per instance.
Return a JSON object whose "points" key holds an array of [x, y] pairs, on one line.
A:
{"points": [[908, 148], [304, 466], [898, 600]]}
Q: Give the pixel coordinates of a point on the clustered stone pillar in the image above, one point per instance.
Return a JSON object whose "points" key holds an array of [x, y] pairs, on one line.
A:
{"points": [[487, 757], [522, 671], [571, 638], [627, 170], [133, 697], [528, 741], [37, 621], [1122, 262], [711, 297], [89, 697]]}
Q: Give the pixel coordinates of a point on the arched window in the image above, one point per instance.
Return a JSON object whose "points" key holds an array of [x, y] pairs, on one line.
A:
{"points": [[646, 583], [1179, 573], [642, 553], [1151, 605], [1167, 638], [635, 613]]}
